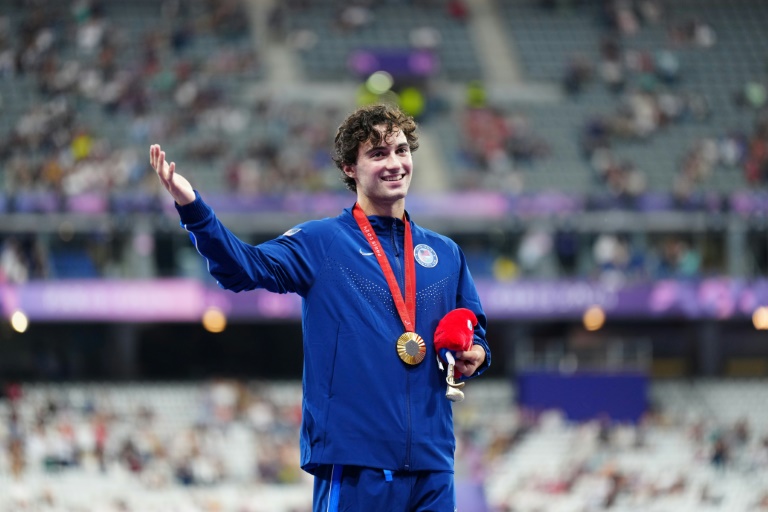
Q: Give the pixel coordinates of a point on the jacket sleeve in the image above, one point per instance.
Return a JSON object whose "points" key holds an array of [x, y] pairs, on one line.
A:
{"points": [[467, 297], [285, 264]]}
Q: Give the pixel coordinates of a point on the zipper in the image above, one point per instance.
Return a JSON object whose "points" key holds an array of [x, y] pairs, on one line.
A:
{"points": [[396, 251], [408, 436], [401, 278]]}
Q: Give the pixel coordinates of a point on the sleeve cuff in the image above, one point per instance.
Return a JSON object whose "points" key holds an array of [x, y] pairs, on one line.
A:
{"points": [[193, 212]]}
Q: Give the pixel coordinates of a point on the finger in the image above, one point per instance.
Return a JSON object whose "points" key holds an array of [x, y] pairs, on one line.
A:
{"points": [[466, 355], [162, 171], [466, 369], [463, 364], [469, 363], [154, 153]]}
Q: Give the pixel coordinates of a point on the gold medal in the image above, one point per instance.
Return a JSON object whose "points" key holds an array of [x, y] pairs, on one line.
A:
{"points": [[411, 348]]}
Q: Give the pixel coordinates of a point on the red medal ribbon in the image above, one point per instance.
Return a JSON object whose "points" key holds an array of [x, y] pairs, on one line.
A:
{"points": [[405, 308]]}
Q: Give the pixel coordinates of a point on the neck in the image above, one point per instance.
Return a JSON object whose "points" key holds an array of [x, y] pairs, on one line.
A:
{"points": [[395, 209]]}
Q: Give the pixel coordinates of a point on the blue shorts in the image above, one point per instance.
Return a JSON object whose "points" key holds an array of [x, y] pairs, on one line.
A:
{"points": [[353, 489]]}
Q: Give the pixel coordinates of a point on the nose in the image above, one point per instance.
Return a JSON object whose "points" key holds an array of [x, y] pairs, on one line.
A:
{"points": [[392, 161]]}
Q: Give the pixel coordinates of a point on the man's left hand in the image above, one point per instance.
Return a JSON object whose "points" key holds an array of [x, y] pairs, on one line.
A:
{"points": [[468, 361]]}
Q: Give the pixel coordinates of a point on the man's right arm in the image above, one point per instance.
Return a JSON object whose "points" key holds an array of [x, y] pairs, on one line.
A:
{"points": [[282, 265], [225, 253], [279, 266]]}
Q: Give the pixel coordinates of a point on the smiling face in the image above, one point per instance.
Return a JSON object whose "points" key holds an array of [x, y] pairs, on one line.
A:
{"points": [[382, 174]]}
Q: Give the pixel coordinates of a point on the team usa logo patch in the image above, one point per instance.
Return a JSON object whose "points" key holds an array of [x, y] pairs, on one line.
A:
{"points": [[291, 231], [425, 255]]}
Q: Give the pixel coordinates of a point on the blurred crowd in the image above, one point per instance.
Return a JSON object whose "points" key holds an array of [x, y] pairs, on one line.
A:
{"points": [[650, 93], [497, 147], [90, 84], [611, 258], [97, 82], [650, 87], [653, 95], [667, 462], [220, 433], [52, 434], [536, 252], [80, 70], [209, 436]]}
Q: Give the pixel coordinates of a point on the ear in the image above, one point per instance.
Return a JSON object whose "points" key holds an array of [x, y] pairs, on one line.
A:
{"points": [[349, 170]]}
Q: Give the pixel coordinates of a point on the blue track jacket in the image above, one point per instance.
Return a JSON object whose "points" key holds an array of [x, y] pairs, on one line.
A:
{"points": [[362, 405]]}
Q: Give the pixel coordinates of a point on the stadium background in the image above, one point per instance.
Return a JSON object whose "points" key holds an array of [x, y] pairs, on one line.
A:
{"points": [[601, 162]]}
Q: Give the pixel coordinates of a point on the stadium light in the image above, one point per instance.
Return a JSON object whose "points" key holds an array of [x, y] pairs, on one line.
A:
{"points": [[379, 82], [760, 318], [594, 318], [214, 320], [19, 321]]}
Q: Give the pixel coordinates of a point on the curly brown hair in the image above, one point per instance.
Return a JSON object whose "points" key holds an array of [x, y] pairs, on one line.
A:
{"points": [[360, 127]]}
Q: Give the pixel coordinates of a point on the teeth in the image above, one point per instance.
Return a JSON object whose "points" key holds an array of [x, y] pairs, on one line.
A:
{"points": [[392, 178]]}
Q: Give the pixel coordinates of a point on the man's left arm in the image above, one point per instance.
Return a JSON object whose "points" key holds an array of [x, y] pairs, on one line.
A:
{"points": [[477, 359]]}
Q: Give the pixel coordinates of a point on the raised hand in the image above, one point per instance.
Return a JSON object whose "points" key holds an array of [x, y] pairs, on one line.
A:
{"points": [[176, 184]]}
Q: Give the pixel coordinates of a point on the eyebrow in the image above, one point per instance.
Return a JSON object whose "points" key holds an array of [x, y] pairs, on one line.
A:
{"points": [[385, 148]]}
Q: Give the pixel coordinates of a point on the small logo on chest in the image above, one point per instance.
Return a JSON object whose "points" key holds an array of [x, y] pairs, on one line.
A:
{"points": [[425, 255]]}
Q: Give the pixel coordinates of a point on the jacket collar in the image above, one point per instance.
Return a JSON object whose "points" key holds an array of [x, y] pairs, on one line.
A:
{"points": [[378, 222]]}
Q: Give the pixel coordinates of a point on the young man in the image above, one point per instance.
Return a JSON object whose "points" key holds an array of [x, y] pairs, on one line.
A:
{"points": [[377, 429]]}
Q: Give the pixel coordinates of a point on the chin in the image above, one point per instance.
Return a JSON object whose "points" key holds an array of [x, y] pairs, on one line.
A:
{"points": [[402, 187]]}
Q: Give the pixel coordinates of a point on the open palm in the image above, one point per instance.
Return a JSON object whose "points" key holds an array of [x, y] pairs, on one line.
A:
{"points": [[176, 184]]}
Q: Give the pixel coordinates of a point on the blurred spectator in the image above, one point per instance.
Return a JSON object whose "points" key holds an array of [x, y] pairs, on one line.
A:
{"points": [[617, 261], [21, 259], [497, 145], [651, 11], [578, 72], [354, 17], [425, 38], [534, 252], [566, 246], [595, 136], [458, 10], [13, 264], [753, 95], [623, 181], [693, 32], [719, 457], [611, 65], [677, 259], [667, 65], [733, 149]]}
